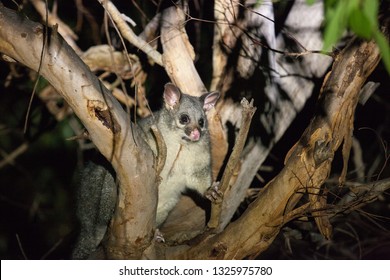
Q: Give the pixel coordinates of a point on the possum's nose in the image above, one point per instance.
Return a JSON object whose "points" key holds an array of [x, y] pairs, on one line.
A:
{"points": [[192, 134]]}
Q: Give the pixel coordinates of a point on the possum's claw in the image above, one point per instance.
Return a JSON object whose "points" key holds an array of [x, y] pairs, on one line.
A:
{"points": [[214, 194], [158, 236]]}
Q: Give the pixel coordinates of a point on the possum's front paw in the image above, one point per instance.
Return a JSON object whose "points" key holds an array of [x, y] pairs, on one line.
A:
{"points": [[158, 236], [214, 194]]}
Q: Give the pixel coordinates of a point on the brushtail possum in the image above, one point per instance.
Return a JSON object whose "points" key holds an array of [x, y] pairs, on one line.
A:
{"points": [[182, 122], [183, 125]]}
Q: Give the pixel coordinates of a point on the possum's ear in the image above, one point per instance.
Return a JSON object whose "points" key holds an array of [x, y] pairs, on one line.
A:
{"points": [[172, 95], [209, 100]]}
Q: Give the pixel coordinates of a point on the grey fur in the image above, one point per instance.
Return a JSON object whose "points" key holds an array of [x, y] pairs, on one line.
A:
{"points": [[96, 199]]}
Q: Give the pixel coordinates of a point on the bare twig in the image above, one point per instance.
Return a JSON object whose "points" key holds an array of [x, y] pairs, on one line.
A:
{"points": [[128, 34], [21, 247], [9, 158], [294, 54], [52, 19], [363, 194], [247, 113], [52, 249]]}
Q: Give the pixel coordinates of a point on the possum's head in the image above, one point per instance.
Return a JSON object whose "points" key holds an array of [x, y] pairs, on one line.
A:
{"points": [[189, 112]]}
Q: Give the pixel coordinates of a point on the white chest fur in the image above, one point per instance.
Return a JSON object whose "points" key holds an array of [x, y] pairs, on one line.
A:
{"points": [[187, 165]]}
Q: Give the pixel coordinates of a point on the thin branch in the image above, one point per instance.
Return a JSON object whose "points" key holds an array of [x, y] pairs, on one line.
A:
{"points": [[247, 113], [21, 247], [11, 157], [362, 194], [294, 54], [52, 19], [128, 33]]}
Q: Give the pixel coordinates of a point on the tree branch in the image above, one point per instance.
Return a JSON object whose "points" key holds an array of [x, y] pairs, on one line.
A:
{"points": [[248, 111], [66, 32], [128, 34], [178, 53]]}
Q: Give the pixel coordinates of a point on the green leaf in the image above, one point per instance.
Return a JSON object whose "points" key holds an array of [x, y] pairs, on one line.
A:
{"points": [[335, 25], [370, 9], [384, 48], [350, 6], [310, 2], [360, 24]]}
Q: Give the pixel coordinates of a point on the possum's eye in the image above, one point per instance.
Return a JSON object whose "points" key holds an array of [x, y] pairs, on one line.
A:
{"points": [[201, 122], [184, 119]]}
